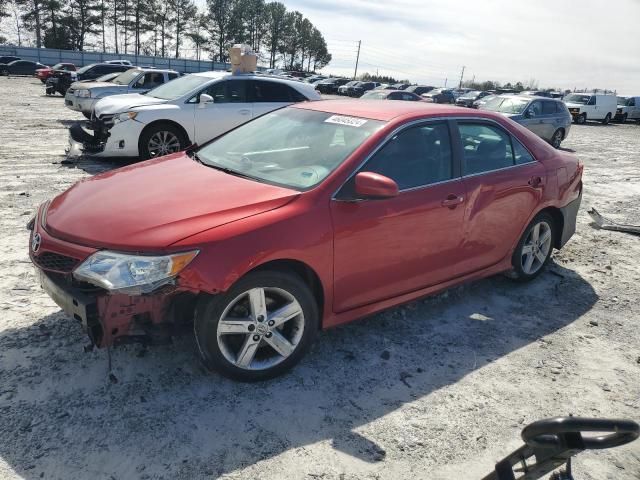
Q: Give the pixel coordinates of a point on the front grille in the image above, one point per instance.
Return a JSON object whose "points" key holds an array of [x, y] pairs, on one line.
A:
{"points": [[56, 262], [107, 120]]}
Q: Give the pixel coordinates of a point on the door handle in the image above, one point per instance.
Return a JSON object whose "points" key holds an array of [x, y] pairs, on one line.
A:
{"points": [[535, 181], [244, 111], [452, 201]]}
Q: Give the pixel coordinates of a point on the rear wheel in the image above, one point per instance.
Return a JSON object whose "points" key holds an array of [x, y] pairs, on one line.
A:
{"points": [[534, 248], [557, 138], [258, 329], [581, 119], [161, 139], [607, 119], [624, 118]]}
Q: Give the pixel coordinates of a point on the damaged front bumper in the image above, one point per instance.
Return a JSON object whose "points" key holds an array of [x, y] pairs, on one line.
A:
{"points": [[115, 319], [102, 138]]}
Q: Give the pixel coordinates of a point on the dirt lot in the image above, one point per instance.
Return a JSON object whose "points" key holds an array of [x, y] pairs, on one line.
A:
{"points": [[438, 389]]}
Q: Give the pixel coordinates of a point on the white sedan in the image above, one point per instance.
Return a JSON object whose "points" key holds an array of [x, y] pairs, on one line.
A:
{"points": [[192, 109]]}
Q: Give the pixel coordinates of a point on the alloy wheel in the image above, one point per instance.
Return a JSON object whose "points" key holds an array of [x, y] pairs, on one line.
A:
{"points": [[260, 328], [557, 139], [536, 248], [162, 143]]}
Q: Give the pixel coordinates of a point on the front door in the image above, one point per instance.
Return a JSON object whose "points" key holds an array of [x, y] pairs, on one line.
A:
{"points": [[228, 110], [533, 118], [384, 248], [504, 185]]}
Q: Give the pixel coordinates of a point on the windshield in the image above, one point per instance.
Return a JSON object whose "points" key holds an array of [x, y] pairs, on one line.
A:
{"points": [[57, 66], [85, 68], [574, 98], [178, 87], [506, 105], [376, 95], [473, 94], [291, 147], [125, 78], [622, 101]]}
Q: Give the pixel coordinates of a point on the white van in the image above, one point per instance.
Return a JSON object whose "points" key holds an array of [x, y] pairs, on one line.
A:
{"points": [[628, 109], [591, 106]]}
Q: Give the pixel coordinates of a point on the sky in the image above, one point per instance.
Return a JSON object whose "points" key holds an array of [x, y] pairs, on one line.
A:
{"points": [[559, 43]]}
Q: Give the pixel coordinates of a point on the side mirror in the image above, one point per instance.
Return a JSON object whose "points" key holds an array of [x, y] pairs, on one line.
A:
{"points": [[529, 113], [204, 99], [373, 185]]}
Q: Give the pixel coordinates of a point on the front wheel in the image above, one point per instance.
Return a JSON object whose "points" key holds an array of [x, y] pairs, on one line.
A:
{"points": [[607, 119], [581, 119], [259, 329], [624, 118], [161, 139], [534, 248]]}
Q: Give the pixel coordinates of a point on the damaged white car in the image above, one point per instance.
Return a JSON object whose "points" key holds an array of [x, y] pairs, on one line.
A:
{"points": [[81, 96], [192, 109]]}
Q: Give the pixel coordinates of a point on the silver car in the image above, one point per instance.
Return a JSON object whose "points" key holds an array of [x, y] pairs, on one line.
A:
{"points": [[546, 117], [81, 96]]}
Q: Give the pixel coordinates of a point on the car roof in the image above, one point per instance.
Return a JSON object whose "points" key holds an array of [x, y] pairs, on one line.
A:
{"points": [[387, 111]]}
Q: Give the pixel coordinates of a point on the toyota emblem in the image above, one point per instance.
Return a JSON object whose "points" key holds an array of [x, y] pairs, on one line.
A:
{"points": [[35, 242]]}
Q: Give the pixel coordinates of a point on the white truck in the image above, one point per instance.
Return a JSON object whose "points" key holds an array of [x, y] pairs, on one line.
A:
{"points": [[628, 109], [591, 106]]}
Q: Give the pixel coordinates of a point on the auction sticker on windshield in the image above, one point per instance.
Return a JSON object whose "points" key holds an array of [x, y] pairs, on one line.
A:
{"points": [[351, 121]]}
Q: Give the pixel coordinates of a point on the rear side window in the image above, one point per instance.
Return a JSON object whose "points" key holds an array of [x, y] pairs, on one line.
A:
{"points": [[520, 153], [548, 108], [486, 148], [415, 157], [228, 91], [263, 91]]}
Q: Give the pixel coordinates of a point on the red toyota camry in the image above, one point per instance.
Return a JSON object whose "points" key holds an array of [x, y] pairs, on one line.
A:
{"points": [[302, 219]]}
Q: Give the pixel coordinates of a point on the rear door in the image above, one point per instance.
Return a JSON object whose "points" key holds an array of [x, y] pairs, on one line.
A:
{"points": [[229, 109], [384, 248], [504, 185]]}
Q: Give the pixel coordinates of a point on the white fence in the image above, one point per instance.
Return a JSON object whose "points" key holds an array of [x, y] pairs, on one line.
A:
{"points": [[51, 56]]}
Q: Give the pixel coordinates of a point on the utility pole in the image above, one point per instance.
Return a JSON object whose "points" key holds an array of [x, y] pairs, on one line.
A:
{"points": [[355, 74], [461, 75], [445, 82], [473, 80]]}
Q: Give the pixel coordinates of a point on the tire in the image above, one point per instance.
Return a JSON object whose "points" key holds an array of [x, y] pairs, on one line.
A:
{"points": [[581, 119], [527, 266], [87, 115], [222, 351], [624, 118], [175, 141], [607, 119], [557, 138]]}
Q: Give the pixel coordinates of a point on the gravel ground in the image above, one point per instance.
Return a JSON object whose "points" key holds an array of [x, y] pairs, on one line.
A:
{"points": [[437, 389]]}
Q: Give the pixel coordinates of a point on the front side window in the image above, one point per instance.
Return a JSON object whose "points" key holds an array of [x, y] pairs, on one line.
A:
{"points": [[486, 148], [415, 157], [577, 98], [631, 102], [592, 100], [126, 77], [292, 147]]}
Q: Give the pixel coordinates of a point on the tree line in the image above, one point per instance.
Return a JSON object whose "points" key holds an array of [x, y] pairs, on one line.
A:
{"points": [[169, 27]]}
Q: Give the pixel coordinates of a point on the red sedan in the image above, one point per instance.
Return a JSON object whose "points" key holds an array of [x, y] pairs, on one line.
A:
{"points": [[303, 219], [44, 73]]}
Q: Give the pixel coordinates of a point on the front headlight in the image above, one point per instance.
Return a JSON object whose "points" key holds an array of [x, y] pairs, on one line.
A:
{"points": [[83, 93], [132, 274], [123, 117]]}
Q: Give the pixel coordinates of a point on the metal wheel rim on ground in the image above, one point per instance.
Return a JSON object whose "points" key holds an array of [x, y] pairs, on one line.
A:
{"points": [[274, 324], [536, 248]]}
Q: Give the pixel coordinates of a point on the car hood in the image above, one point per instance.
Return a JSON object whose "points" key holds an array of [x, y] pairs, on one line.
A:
{"points": [[102, 85], [151, 205], [122, 103]]}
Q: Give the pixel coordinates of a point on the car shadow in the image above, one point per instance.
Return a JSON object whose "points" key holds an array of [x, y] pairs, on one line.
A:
{"points": [[169, 418]]}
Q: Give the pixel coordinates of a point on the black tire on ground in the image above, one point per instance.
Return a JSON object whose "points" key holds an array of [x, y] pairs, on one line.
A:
{"points": [[607, 119], [211, 310], [557, 138], [166, 130], [43, 80], [624, 118], [521, 273], [581, 119]]}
